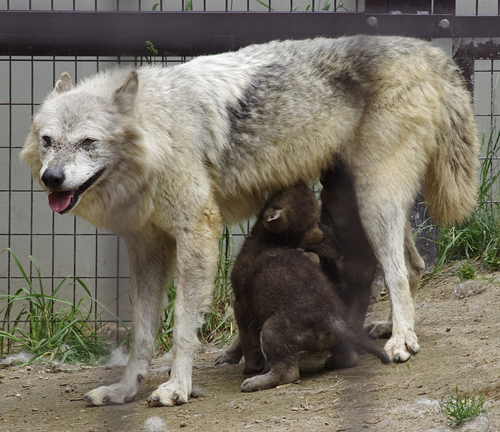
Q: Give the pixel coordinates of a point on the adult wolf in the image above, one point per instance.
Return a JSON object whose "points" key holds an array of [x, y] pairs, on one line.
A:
{"points": [[164, 156]]}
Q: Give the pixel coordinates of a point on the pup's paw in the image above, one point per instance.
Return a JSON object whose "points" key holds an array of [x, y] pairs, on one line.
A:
{"points": [[169, 395], [379, 329], [113, 394], [227, 358], [270, 380], [400, 347], [258, 382]]}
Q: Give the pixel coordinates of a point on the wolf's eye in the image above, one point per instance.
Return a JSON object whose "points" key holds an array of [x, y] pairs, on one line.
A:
{"points": [[47, 141], [88, 143]]}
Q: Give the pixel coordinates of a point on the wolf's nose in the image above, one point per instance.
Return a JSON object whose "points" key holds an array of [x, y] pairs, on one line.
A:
{"points": [[53, 178]]}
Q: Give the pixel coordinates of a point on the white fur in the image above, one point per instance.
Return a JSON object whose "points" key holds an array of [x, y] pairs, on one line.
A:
{"points": [[189, 148]]}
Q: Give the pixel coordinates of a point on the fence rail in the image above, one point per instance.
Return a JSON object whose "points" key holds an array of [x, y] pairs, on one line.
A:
{"points": [[197, 33]]}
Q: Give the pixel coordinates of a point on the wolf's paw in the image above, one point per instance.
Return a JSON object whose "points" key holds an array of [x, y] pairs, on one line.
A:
{"points": [[400, 347], [168, 395], [113, 394], [379, 329]]}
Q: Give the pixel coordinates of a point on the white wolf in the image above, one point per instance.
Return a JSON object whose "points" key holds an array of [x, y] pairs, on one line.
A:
{"points": [[165, 156]]}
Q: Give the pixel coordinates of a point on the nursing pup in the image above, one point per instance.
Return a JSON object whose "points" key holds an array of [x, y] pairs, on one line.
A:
{"points": [[165, 156], [284, 303]]}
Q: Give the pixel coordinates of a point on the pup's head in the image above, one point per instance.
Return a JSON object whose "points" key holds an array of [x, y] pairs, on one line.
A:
{"points": [[70, 144], [292, 215]]}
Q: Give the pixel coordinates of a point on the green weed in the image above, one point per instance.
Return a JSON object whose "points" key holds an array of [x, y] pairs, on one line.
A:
{"points": [[49, 327], [478, 238], [458, 410], [154, 52], [218, 327], [466, 272]]}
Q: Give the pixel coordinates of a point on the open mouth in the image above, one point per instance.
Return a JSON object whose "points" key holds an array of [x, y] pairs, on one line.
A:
{"points": [[62, 202]]}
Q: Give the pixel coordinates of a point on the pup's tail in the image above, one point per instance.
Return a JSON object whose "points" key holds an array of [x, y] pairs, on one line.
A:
{"points": [[361, 341], [451, 179], [364, 343]]}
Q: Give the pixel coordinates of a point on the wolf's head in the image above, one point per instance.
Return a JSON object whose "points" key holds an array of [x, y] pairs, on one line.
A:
{"points": [[74, 135]]}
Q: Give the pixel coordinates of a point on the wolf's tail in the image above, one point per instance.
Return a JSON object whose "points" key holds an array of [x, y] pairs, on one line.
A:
{"points": [[451, 179]]}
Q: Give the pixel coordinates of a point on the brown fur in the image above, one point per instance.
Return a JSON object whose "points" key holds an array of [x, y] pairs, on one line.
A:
{"points": [[284, 302]]}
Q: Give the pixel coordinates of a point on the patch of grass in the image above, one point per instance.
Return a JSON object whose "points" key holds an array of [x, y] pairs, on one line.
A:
{"points": [[458, 410], [218, 327], [479, 237], [48, 327], [154, 52], [466, 272]]}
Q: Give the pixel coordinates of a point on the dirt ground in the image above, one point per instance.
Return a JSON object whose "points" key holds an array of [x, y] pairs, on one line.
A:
{"points": [[459, 335]]}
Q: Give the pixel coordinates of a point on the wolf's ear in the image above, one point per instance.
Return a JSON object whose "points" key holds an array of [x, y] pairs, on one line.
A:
{"points": [[63, 85], [124, 97]]}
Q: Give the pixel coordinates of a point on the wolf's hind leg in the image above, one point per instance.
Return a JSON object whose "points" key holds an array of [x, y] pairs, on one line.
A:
{"points": [[152, 256], [384, 218], [415, 266]]}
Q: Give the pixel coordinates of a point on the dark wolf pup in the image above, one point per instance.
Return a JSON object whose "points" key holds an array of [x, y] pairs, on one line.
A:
{"points": [[164, 157], [284, 303], [347, 259], [346, 255]]}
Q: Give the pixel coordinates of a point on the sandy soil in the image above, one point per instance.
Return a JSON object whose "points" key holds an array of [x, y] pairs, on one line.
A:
{"points": [[459, 335]]}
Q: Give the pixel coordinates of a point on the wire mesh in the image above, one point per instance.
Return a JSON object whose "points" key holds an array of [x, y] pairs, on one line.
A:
{"points": [[65, 245]]}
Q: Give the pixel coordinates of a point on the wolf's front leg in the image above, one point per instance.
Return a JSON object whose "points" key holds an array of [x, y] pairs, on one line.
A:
{"points": [[197, 262], [152, 258]]}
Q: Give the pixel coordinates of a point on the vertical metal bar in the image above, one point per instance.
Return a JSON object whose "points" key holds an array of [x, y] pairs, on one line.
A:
{"points": [[74, 218], [444, 7], [96, 268], [117, 283], [52, 274], [32, 102], [376, 6], [9, 221], [492, 121]]}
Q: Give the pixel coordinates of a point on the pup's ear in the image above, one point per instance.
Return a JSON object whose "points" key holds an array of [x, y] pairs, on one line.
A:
{"points": [[274, 215], [275, 220], [63, 85], [124, 97]]}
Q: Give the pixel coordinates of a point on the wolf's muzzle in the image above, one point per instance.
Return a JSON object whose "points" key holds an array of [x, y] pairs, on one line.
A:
{"points": [[53, 178]]}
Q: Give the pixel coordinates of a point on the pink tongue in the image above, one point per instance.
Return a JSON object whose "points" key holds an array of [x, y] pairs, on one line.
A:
{"points": [[59, 201]]}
